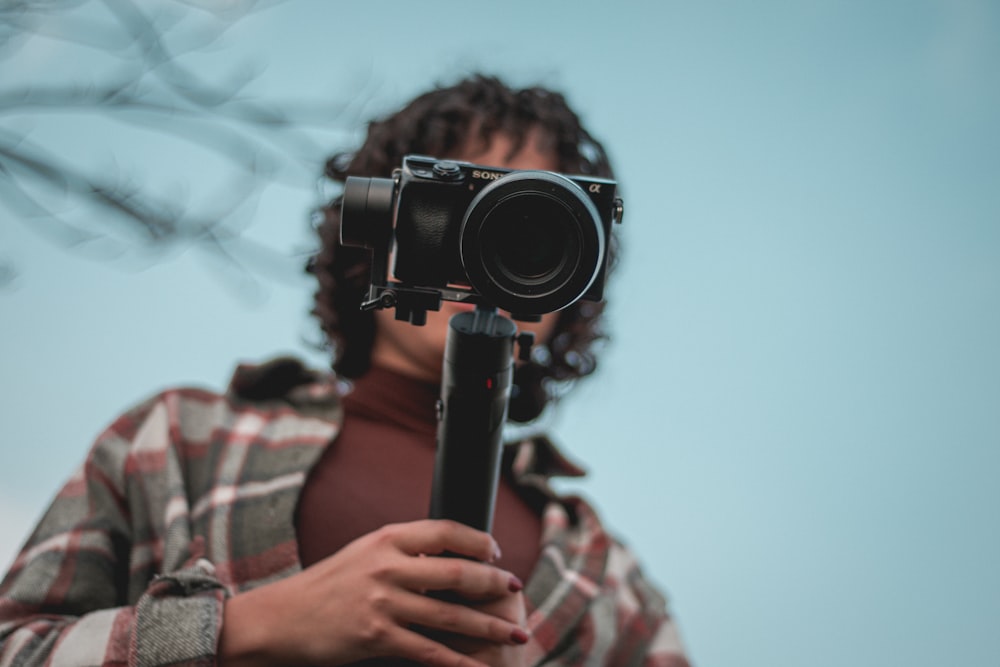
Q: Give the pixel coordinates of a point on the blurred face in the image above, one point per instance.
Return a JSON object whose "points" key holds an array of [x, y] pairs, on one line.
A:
{"points": [[418, 351]]}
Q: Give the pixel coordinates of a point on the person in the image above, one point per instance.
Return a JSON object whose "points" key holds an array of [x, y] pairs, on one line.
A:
{"points": [[284, 521]]}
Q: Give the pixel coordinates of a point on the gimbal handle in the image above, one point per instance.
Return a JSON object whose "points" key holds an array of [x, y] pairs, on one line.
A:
{"points": [[476, 381]]}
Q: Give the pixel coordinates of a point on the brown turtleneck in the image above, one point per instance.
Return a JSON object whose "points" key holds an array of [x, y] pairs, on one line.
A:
{"points": [[379, 469]]}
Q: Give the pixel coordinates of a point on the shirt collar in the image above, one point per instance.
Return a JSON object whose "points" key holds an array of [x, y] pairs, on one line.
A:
{"points": [[287, 380]]}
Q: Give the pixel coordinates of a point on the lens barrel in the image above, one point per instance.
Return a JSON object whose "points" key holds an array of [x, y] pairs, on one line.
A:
{"points": [[532, 242]]}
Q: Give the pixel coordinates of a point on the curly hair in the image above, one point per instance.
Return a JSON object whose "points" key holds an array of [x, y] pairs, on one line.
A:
{"points": [[437, 123]]}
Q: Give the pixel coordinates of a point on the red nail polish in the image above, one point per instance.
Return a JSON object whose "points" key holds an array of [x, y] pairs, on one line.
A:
{"points": [[519, 636], [514, 584]]}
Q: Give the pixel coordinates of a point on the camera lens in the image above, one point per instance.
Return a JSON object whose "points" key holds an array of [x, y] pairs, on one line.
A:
{"points": [[532, 242]]}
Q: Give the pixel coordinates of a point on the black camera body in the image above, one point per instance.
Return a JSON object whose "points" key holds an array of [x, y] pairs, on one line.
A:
{"points": [[528, 242]]}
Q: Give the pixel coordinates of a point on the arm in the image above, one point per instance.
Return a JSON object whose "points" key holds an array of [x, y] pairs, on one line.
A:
{"points": [[359, 603], [66, 599], [79, 593]]}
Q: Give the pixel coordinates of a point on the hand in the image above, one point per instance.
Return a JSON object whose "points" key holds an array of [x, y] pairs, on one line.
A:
{"points": [[509, 607], [360, 602]]}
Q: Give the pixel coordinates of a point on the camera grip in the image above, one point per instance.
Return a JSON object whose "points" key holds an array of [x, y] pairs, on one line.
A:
{"points": [[475, 394]]}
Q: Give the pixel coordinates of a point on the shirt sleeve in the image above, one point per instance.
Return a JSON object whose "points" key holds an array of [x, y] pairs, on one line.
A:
{"points": [[76, 594]]}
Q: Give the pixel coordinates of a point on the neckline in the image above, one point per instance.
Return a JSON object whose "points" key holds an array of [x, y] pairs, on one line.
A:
{"points": [[399, 399]]}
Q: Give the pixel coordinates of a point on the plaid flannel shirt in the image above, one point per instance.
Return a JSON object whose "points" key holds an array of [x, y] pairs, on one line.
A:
{"points": [[189, 498]]}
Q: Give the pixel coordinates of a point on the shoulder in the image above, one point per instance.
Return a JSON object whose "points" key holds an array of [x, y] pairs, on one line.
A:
{"points": [[278, 398]]}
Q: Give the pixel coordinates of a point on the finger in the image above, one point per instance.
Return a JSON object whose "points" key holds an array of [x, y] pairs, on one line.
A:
{"points": [[476, 581], [426, 651], [458, 619], [438, 536]]}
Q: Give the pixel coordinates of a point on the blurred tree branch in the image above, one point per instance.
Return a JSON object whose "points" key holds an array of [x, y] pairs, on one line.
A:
{"points": [[147, 75]]}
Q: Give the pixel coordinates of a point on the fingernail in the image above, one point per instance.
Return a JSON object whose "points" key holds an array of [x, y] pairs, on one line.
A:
{"points": [[514, 584], [519, 636], [496, 552]]}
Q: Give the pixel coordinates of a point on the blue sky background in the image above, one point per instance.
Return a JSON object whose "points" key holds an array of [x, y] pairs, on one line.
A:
{"points": [[797, 424]]}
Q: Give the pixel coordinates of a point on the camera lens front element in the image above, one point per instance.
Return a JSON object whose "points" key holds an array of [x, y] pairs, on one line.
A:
{"points": [[532, 242], [529, 240]]}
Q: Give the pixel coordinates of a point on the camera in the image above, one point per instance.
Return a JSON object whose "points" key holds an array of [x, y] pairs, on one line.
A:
{"points": [[528, 242]]}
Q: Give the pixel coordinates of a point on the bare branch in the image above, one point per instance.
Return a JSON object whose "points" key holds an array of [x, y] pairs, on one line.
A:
{"points": [[50, 19], [162, 63], [142, 83]]}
